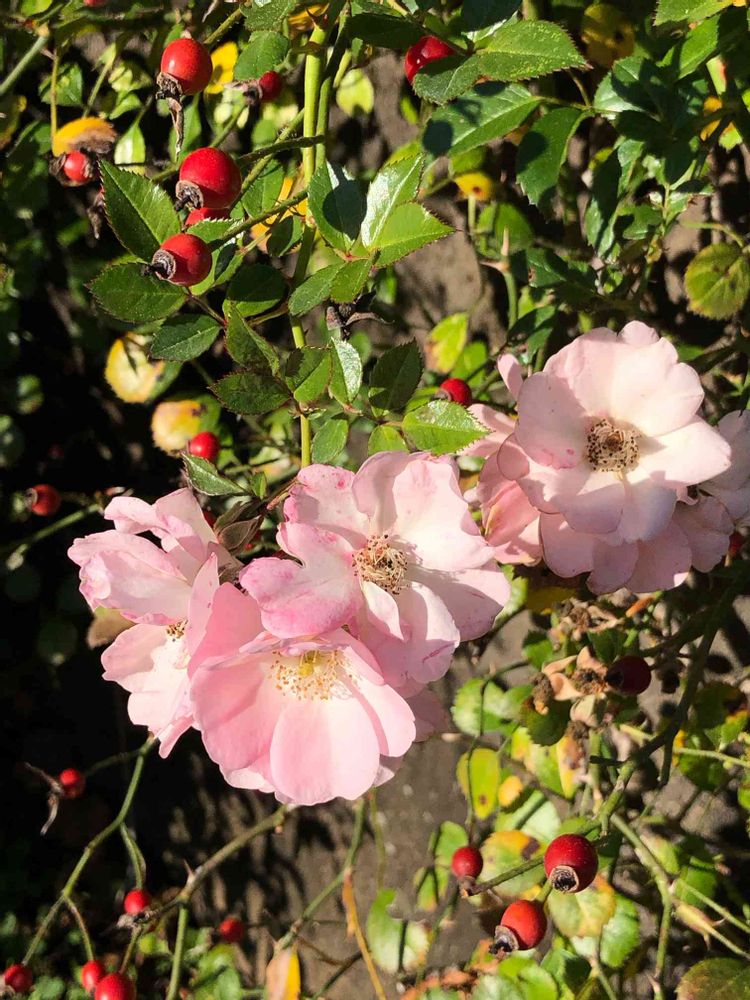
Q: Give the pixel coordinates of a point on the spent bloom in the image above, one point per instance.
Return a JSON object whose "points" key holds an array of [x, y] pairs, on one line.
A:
{"points": [[392, 552], [165, 590]]}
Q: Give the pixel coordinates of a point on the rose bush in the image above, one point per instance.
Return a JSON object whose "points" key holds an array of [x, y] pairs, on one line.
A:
{"points": [[403, 347]]}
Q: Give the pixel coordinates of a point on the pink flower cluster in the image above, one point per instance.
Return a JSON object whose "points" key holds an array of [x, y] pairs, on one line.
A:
{"points": [[609, 469], [304, 674]]}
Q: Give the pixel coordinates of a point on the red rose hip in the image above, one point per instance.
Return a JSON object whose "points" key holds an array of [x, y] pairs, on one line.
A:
{"points": [[91, 975], [78, 168], [183, 259], [209, 178], [571, 863], [425, 51], [19, 977], [271, 84], [523, 926], [115, 986], [206, 215], [231, 930], [629, 675], [467, 862], [205, 445], [73, 782], [456, 390], [136, 901], [43, 500], [186, 64]]}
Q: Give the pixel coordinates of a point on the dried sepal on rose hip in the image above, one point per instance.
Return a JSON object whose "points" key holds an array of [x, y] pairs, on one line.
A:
{"points": [[185, 69], [183, 259], [523, 926], [571, 863], [209, 178]]}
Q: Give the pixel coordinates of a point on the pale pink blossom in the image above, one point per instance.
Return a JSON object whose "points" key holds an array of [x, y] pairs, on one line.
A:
{"points": [[511, 524], [608, 434], [732, 487], [309, 718], [392, 552], [165, 589], [708, 527]]}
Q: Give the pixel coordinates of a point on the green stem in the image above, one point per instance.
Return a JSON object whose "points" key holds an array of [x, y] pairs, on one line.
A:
{"points": [[34, 49], [261, 164], [224, 27], [76, 913], [179, 950], [277, 209], [333, 979], [50, 529], [281, 146]]}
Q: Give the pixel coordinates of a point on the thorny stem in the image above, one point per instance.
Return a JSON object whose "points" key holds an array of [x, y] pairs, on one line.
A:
{"points": [[224, 27], [90, 849]]}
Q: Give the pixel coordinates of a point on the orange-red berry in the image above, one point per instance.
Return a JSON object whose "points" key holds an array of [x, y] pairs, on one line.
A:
{"points": [[205, 215], [136, 901], [232, 930], [467, 862], [73, 782], [205, 445], [456, 390], [43, 500], [209, 178], [183, 259], [271, 84], [425, 51], [19, 977], [629, 675], [92, 974], [523, 925], [571, 863], [78, 167], [188, 63], [115, 986]]}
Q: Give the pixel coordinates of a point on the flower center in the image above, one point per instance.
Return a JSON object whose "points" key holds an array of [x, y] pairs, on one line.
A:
{"points": [[610, 448], [177, 630], [313, 675], [380, 564]]}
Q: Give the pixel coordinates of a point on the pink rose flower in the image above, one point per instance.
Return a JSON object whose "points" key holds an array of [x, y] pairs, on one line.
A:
{"points": [[608, 434], [732, 487], [309, 718], [393, 553], [511, 524], [166, 590]]}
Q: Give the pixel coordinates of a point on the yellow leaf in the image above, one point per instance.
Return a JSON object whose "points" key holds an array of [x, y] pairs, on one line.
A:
{"points": [[283, 977], [131, 374], [94, 133], [174, 423], [223, 60], [355, 94], [476, 184], [607, 34]]}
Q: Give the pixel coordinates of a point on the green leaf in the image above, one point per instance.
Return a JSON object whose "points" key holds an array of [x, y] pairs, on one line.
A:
{"points": [[385, 439], [478, 774], [263, 193], [583, 914], [478, 14], [687, 10], [206, 479], [250, 392], [256, 289], [523, 50], [350, 279], [489, 112], [268, 14], [543, 151], [717, 281], [394, 184], [395, 944], [546, 730], [408, 228], [704, 41], [716, 979], [184, 337], [569, 971], [133, 297], [329, 441], [442, 427], [346, 371], [621, 934], [314, 289], [140, 213], [307, 372], [376, 27], [337, 205], [517, 978], [265, 51], [246, 345], [444, 79], [446, 342], [395, 376]]}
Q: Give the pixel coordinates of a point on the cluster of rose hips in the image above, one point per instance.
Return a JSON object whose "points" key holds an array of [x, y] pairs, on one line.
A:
{"points": [[570, 863], [94, 976]]}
